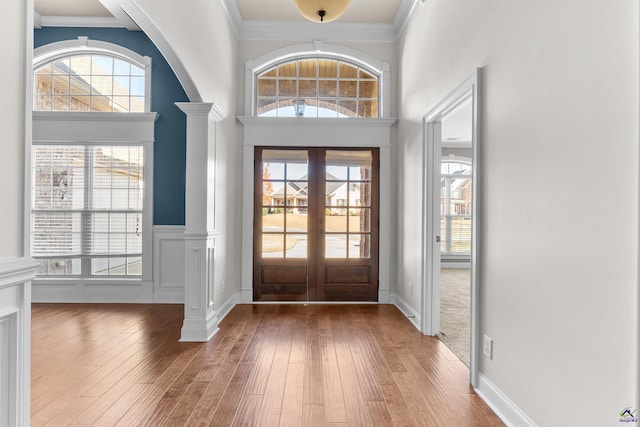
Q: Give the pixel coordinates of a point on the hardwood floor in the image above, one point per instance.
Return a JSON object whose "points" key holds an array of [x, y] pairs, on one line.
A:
{"points": [[288, 365]]}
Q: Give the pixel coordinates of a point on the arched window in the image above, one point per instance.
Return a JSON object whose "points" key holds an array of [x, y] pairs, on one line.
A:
{"points": [[76, 76], [318, 87], [317, 81]]}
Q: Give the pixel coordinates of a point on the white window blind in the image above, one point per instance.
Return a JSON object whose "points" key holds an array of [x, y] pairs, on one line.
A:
{"points": [[87, 209]]}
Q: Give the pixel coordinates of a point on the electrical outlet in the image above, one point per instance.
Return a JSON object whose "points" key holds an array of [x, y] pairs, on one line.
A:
{"points": [[488, 347]]}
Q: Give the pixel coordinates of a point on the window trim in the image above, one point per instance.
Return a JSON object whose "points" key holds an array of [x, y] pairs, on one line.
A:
{"points": [[60, 128], [317, 49], [83, 46]]}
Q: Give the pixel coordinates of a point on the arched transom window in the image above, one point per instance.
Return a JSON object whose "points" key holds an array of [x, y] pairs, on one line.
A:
{"points": [[317, 87], [86, 80]]}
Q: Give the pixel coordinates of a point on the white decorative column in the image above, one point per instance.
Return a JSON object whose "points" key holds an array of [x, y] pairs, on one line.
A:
{"points": [[200, 321]]}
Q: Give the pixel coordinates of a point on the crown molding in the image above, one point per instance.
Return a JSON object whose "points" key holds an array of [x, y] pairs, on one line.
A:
{"points": [[78, 21], [333, 31], [304, 31], [402, 16], [123, 18], [37, 20]]}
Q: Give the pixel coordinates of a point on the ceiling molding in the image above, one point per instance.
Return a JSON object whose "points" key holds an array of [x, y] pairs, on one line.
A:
{"points": [[258, 30], [122, 17], [79, 21], [402, 16], [303, 31], [334, 31], [37, 20]]}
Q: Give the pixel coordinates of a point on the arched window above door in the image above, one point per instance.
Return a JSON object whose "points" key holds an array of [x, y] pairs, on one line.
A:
{"points": [[317, 81]]}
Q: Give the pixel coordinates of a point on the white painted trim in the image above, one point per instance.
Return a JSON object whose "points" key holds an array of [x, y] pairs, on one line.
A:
{"points": [[37, 22], [168, 264], [503, 407], [15, 313], [402, 16], [80, 21], [333, 31], [92, 291], [197, 330], [52, 51], [120, 15], [228, 305], [28, 129], [155, 35], [99, 128], [431, 298], [412, 315]]}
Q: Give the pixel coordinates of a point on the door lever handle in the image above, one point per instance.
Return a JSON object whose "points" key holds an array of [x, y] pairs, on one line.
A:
{"points": [[437, 239]]}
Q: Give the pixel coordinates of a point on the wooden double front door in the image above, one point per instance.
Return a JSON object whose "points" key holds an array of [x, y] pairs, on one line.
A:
{"points": [[316, 224]]}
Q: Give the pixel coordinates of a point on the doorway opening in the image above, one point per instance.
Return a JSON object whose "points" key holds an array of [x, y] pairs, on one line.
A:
{"points": [[316, 224], [451, 237]]}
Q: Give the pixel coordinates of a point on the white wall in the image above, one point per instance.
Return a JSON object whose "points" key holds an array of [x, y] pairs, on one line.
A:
{"points": [[560, 190], [12, 123], [201, 35]]}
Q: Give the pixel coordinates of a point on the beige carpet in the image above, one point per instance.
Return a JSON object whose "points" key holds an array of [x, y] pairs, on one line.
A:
{"points": [[455, 300]]}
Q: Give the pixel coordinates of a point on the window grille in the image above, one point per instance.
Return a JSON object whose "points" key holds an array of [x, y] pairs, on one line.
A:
{"points": [[455, 208], [87, 209], [318, 87], [93, 82]]}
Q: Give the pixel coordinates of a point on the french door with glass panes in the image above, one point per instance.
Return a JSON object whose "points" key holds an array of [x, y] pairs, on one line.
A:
{"points": [[316, 224]]}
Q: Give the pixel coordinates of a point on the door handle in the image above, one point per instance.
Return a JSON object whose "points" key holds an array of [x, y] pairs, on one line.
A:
{"points": [[437, 239]]}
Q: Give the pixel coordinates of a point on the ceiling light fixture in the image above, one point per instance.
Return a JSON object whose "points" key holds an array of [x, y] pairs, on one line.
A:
{"points": [[322, 10]]}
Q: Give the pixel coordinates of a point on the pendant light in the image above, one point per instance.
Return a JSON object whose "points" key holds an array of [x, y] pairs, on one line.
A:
{"points": [[321, 10]]}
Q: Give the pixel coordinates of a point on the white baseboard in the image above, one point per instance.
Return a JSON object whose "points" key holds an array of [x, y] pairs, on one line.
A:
{"points": [[225, 308], [504, 408], [413, 316], [92, 292]]}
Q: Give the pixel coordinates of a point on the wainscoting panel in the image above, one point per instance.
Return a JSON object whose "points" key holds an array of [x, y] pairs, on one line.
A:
{"points": [[168, 264], [15, 339]]}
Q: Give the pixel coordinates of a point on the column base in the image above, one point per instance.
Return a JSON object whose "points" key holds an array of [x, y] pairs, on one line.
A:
{"points": [[197, 330]]}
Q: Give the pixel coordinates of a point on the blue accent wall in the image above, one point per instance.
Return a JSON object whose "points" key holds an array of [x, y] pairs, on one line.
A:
{"points": [[170, 128]]}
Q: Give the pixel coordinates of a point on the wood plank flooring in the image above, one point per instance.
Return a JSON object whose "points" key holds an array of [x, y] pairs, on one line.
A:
{"points": [[269, 365]]}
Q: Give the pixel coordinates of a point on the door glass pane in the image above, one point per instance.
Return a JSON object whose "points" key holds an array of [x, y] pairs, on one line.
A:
{"points": [[296, 246], [284, 203], [348, 189], [272, 222], [335, 246], [359, 246], [335, 220], [296, 221], [272, 245], [359, 220]]}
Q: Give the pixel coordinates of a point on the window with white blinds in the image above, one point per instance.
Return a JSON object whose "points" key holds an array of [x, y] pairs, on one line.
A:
{"points": [[87, 209]]}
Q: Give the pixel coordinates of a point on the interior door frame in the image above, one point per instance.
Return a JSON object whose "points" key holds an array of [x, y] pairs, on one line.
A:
{"points": [[470, 87]]}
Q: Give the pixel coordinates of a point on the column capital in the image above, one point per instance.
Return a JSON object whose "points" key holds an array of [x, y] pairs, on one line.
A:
{"points": [[202, 108]]}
